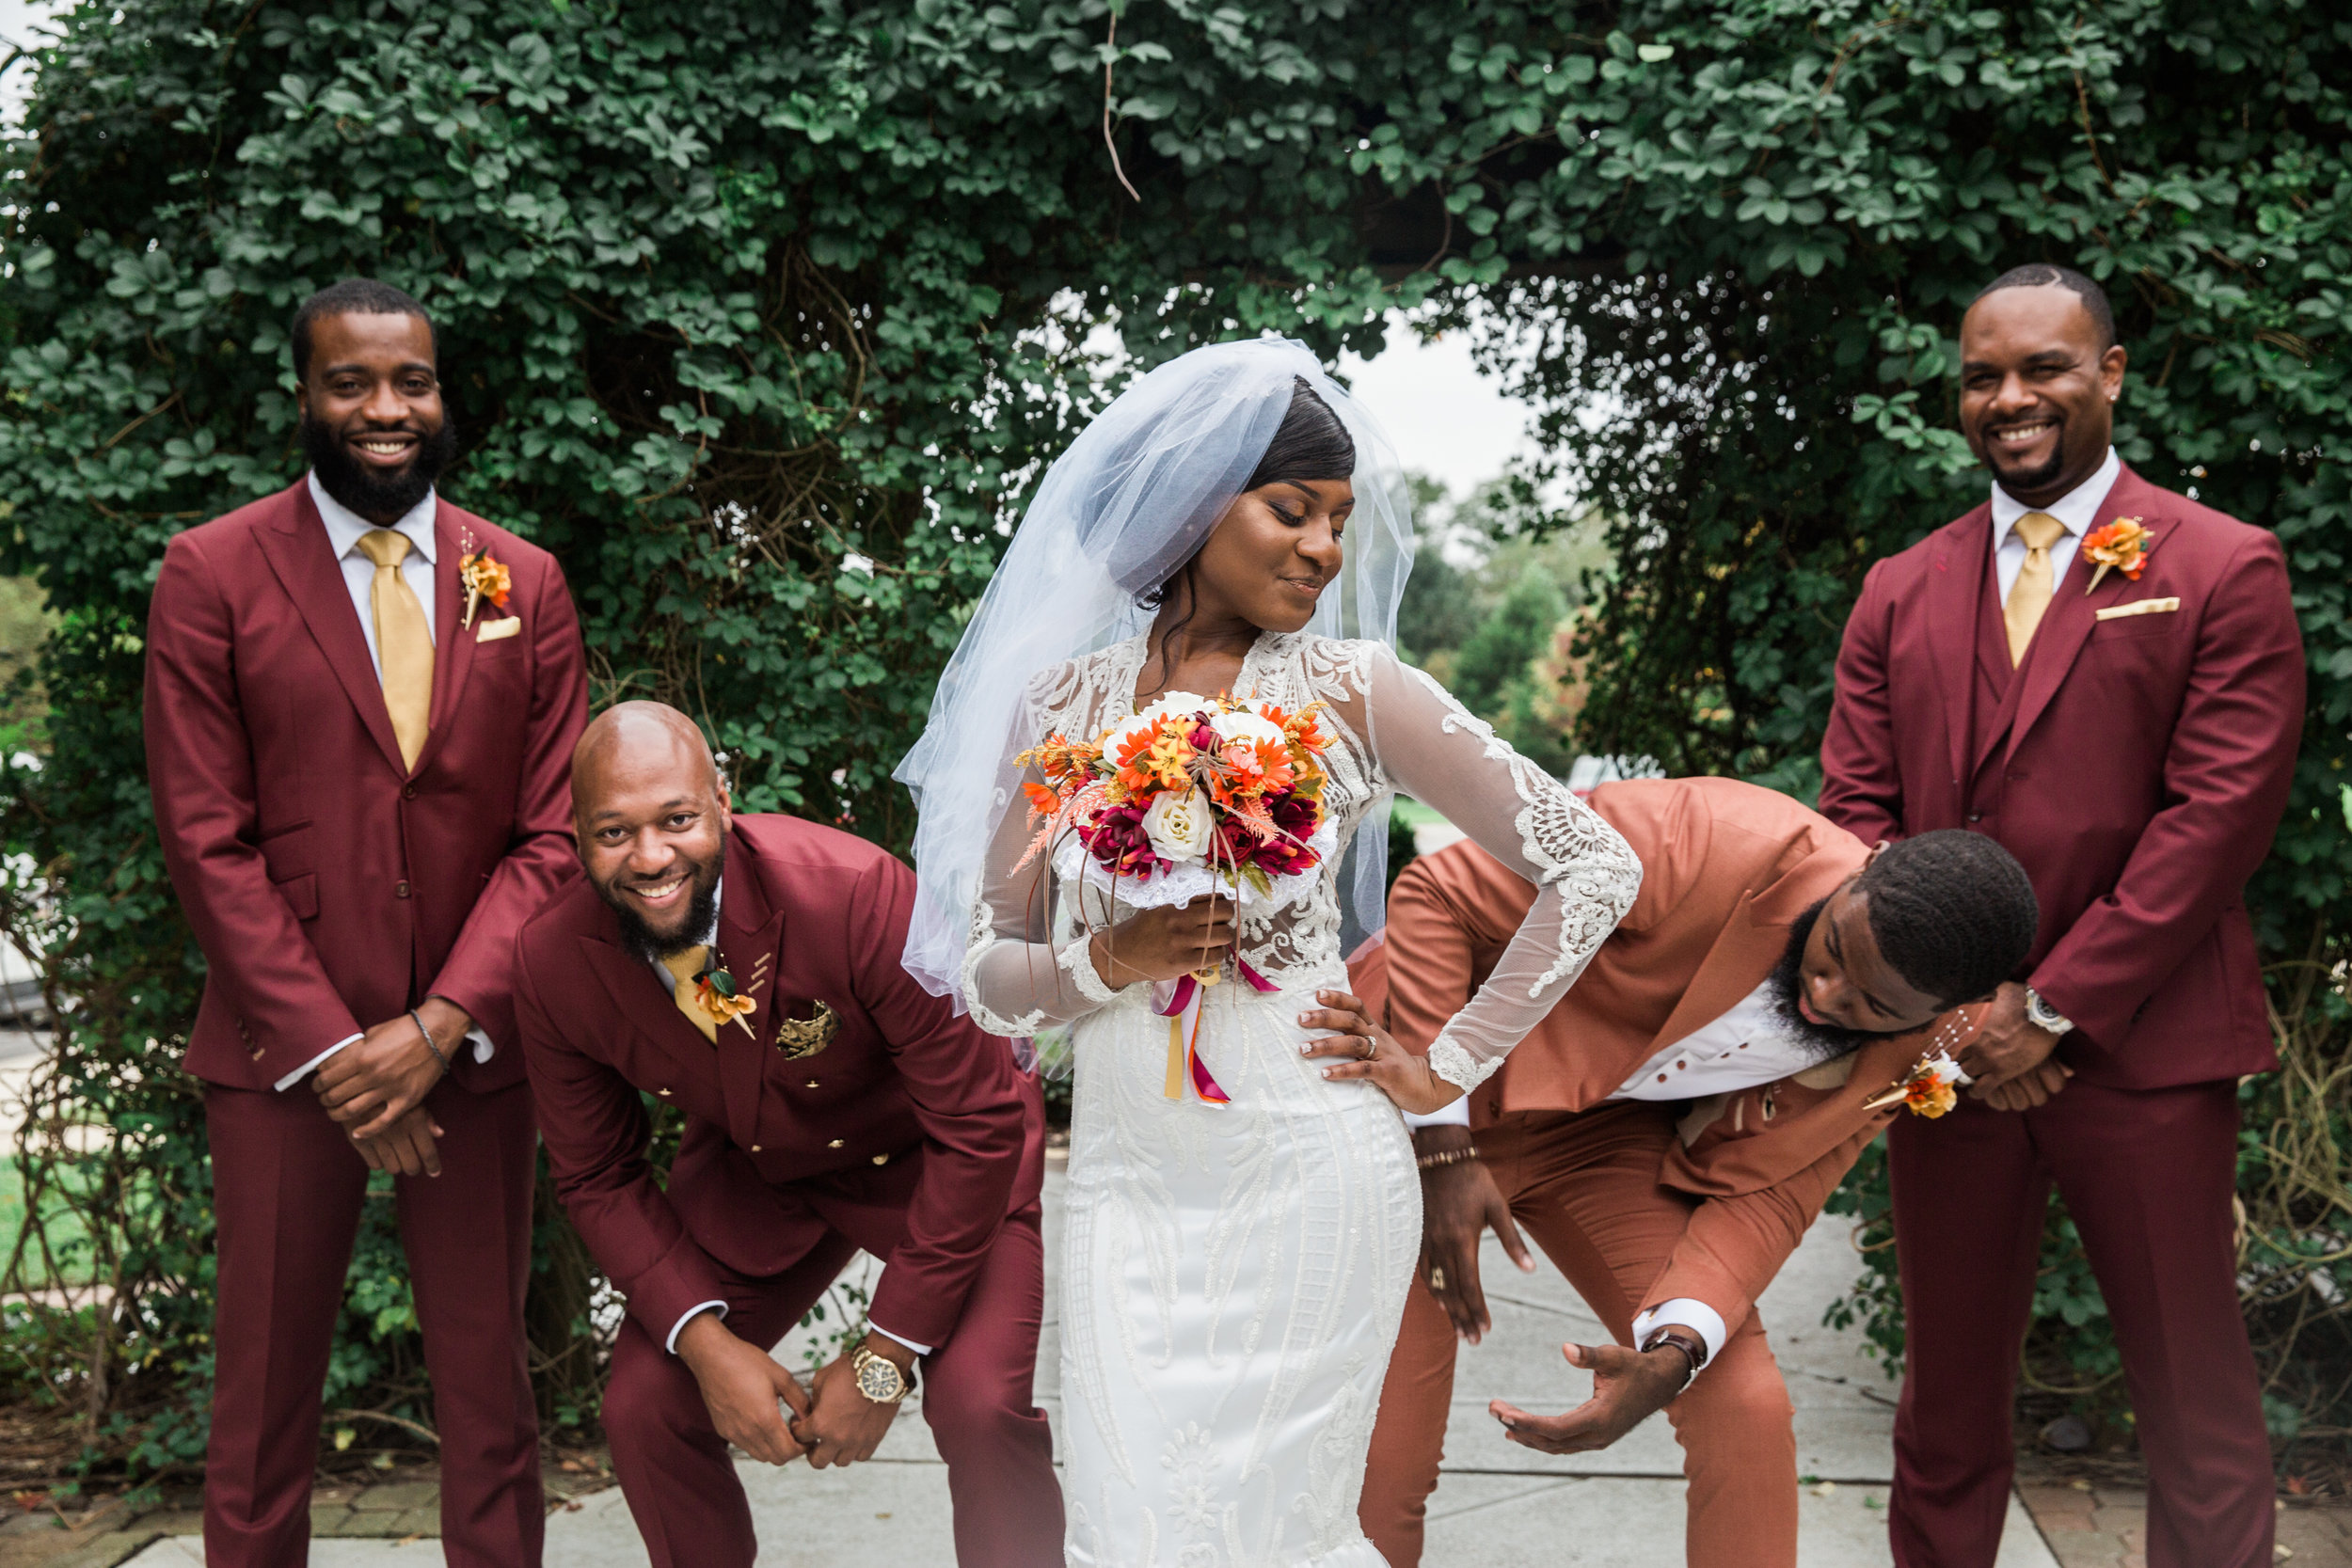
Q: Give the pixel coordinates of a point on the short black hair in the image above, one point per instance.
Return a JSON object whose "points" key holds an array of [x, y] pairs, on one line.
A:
{"points": [[1311, 444], [1952, 910], [363, 296], [2041, 274]]}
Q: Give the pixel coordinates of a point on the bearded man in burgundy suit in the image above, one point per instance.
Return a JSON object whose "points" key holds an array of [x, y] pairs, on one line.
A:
{"points": [[2108, 678], [1672, 1127], [745, 969], [358, 772]]}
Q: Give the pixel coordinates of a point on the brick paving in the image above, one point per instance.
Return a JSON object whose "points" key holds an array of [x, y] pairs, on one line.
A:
{"points": [[2095, 1524]]}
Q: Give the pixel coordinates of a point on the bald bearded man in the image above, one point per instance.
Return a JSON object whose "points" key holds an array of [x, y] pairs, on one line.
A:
{"points": [[745, 969]]}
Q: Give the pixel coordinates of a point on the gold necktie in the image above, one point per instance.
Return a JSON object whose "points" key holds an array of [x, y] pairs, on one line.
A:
{"points": [[686, 969], [404, 643], [2029, 596]]}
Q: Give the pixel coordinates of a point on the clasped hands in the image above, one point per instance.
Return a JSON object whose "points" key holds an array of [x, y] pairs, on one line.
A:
{"points": [[374, 1088], [1458, 1202], [831, 1422], [2010, 1055], [1168, 943]]}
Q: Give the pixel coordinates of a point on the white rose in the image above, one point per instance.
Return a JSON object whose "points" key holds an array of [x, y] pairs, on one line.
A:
{"points": [[1175, 701], [1179, 825], [1244, 725]]}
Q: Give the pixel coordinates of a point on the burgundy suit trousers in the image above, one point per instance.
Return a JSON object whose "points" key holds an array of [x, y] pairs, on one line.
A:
{"points": [[287, 1189], [977, 1391], [2147, 1176], [1585, 1187]]}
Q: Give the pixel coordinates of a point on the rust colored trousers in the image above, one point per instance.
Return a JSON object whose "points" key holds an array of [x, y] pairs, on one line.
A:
{"points": [[1584, 1186]]}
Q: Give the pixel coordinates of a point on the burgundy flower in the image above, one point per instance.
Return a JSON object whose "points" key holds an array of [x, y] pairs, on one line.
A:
{"points": [[1117, 839]]}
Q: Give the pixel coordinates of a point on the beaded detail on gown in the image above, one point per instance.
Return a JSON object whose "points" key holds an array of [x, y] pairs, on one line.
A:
{"points": [[1235, 1274]]}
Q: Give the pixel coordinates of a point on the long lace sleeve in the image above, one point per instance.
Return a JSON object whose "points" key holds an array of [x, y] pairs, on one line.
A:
{"points": [[1585, 874], [1016, 979]]}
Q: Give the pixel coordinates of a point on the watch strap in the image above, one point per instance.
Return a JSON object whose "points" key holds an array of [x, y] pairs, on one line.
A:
{"points": [[1694, 1350]]}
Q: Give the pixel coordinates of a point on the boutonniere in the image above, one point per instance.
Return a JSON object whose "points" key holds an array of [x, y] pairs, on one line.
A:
{"points": [[484, 577], [1933, 1085], [715, 994], [2123, 543]]}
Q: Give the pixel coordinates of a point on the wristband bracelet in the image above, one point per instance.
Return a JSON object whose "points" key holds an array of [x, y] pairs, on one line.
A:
{"points": [[1447, 1157], [419, 1022]]}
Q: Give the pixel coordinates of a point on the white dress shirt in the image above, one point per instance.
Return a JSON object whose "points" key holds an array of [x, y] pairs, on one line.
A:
{"points": [[1745, 1048], [344, 527], [669, 988], [2075, 511]]}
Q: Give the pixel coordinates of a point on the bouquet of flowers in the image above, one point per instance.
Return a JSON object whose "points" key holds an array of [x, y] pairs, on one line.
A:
{"points": [[1194, 794], [1191, 796]]}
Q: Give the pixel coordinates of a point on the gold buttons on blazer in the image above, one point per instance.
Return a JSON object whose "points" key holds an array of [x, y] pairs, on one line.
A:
{"points": [[661, 1091], [882, 1159], [754, 1149], [837, 1144], [810, 1084]]}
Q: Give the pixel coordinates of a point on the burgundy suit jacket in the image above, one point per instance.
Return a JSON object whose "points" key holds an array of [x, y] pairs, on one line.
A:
{"points": [[329, 886], [907, 1107], [2138, 771], [1726, 867]]}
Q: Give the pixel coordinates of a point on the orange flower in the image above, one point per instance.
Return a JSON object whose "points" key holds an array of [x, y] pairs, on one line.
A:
{"points": [[2123, 543], [1157, 759], [1929, 1096]]}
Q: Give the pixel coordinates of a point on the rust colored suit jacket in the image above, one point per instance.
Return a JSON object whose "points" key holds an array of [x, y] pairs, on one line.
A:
{"points": [[1727, 868], [906, 1106], [2136, 766], [329, 886]]}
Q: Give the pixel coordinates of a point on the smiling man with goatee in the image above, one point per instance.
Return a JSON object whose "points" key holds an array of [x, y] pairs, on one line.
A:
{"points": [[744, 969], [359, 762], [2106, 678]]}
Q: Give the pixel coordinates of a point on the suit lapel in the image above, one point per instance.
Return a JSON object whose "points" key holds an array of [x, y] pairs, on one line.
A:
{"points": [[1955, 591], [751, 934], [304, 563], [452, 647], [637, 991], [2073, 613]]}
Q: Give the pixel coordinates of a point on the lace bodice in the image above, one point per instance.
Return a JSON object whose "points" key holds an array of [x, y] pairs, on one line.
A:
{"points": [[1393, 727]]}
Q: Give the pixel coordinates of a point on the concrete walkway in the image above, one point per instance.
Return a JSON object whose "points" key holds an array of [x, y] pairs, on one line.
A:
{"points": [[1499, 1506]]}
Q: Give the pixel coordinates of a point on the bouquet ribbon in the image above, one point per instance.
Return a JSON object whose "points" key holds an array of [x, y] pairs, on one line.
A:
{"points": [[1182, 1009]]}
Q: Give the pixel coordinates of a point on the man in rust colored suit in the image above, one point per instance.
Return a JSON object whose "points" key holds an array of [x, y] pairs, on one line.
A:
{"points": [[360, 786], [1670, 1130], [2129, 733], [845, 1107]]}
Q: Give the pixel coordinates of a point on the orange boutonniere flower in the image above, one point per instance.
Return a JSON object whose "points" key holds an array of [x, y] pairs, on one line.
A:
{"points": [[485, 579], [2123, 543], [715, 994]]}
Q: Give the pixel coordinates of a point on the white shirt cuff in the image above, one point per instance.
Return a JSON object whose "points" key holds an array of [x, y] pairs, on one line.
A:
{"points": [[920, 1349], [1456, 1115], [483, 1049], [298, 1074], [679, 1327], [1691, 1314]]}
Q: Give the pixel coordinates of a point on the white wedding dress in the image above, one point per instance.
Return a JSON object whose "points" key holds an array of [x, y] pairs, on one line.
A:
{"points": [[1235, 1274]]}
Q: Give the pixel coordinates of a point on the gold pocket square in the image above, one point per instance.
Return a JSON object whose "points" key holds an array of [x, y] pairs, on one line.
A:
{"points": [[492, 630], [2139, 607], [805, 1037]]}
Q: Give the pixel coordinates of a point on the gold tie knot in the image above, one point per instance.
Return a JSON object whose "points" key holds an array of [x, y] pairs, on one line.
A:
{"points": [[384, 547], [2038, 530], [686, 970], [686, 967]]}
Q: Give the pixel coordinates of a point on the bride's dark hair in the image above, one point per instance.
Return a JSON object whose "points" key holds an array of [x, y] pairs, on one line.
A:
{"points": [[1310, 445]]}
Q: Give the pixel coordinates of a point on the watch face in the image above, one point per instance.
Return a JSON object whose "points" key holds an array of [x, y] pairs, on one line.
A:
{"points": [[879, 1381]]}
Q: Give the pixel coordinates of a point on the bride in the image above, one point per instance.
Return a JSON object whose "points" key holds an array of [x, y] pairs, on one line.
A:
{"points": [[1235, 1271]]}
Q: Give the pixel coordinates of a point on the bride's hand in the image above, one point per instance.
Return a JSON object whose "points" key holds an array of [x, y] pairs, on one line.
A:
{"points": [[1368, 1051], [1163, 944]]}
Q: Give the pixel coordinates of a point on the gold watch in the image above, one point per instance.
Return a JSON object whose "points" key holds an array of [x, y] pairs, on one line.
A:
{"points": [[879, 1377]]}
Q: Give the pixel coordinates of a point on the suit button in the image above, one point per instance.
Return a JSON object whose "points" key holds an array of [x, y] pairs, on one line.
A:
{"points": [[810, 1084], [837, 1144], [882, 1159], [400, 889], [409, 792], [663, 1092], [754, 1149], [1976, 816]]}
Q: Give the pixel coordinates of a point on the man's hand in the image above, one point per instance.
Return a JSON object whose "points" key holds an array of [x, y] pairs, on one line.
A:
{"points": [[741, 1385], [1628, 1387], [842, 1426], [2032, 1088], [1402, 1076], [383, 1076], [1163, 944], [1459, 1201], [406, 1148], [2007, 1044]]}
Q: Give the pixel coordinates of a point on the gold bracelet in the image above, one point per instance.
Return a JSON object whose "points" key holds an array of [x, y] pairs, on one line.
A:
{"points": [[1447, 1157]]}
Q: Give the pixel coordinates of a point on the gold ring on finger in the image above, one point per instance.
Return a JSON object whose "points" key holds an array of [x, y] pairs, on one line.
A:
{"points": [[1371, 1049], [1436, 1279]]}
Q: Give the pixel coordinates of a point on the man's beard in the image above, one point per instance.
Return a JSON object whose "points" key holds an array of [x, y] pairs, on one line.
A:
{"points": [[701, 913], [1823, 1041], [365, 491], [2036, 479]]}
